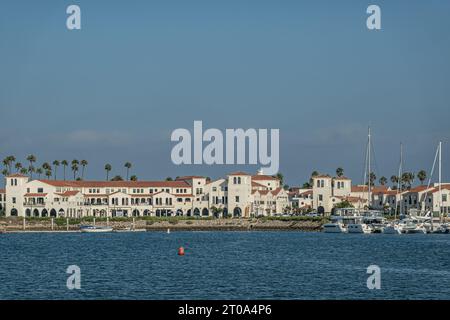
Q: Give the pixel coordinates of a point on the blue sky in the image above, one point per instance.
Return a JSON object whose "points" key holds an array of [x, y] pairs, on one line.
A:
{"points": [[114, 91]]}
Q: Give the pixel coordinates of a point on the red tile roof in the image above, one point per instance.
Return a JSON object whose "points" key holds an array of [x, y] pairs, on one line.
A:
{"points": [[35, 195], [374, 189], [68, 193], [189, 178], [239, 173], [341, 178], [263, 177], [117, 184]]}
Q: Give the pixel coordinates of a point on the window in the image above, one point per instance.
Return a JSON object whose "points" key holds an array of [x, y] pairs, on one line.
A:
{"points": [[237, 198], [13, 199], [444, 198], [40, 190], [320, 197]]}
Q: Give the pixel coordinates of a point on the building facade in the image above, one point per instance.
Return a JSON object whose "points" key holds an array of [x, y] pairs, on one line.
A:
{"points": [[237, 195]]}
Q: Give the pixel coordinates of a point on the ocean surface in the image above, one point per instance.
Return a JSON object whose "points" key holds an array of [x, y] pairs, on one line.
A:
{"points": [[224, 265]]}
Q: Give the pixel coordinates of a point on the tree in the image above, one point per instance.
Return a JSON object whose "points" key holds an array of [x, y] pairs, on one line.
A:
{"points": [[344, 204], [5, 172], [383, 181], [83, 163], [339, 172], [134, 178], [18, 166], [31, 159], [64, 164], [24, 171], [422, 176], [169, 179], [372, 178], [39, 171], [107, 169], [75, 164], [306, 185], [394, 180], [286, 187], [48, 173], [31, 169], [117, 178], [56, 165], [46, 166], [280, 178], [128, 165], [75, 169]]}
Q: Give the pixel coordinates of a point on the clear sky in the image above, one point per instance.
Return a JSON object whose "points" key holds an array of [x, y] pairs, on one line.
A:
{"points": [[114, 91]]}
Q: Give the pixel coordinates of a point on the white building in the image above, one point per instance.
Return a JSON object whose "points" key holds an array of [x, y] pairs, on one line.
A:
{"points": [[237, 195]]}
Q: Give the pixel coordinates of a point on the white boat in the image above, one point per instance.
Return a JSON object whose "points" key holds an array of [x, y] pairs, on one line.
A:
{"points": [[95, 229], [413, 226], [359, 228], [336, 227], [392, 228]]}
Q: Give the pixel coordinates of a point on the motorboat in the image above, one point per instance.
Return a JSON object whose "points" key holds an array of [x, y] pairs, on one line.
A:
{"points": [[334, 227], [95, 229], [392, 228]]}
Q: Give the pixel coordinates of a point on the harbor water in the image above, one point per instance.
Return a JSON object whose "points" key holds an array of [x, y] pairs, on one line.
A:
{"points": [[224, 265]]}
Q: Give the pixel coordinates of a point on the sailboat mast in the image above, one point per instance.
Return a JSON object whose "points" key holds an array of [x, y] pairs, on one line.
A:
{"points": [[369, 171], [440, 184], [400, 168]]}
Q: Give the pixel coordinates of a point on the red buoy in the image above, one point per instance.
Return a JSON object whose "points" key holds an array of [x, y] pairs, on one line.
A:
{"points": [[181, 251]]}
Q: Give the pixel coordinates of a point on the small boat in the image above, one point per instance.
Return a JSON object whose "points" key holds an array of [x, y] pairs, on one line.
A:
{"points": [[413, 226], [359, 228], [95, 229], [392, 229], [334, 228]]}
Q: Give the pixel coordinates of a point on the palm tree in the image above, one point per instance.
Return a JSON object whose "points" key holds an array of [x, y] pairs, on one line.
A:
{"points": [[339, 172], [31, 159], [46, 166], [5, 172], [128, 165], [383, 180], [31, 169], [18, 166], [64, 164], [169, 179], [107, 169], [280, 177], [372, 178], [74, 168], [83, 163], [75, 163], [24, 171], [134, 178], [6, 164], [117, 178], [56, 165], [48, 173], [422, 176], [39, 171]]}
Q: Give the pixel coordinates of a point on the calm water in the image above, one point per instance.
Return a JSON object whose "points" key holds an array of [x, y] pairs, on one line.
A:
{"points": [[224, 265]]}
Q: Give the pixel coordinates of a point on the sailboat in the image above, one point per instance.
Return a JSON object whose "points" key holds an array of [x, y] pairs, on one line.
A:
{"points": [[358, 226], [395, 227]]}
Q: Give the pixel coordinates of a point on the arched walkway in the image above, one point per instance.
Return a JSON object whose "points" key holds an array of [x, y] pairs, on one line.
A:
{"points": [[14, 212], [237, 212], [225, 212], [179, 212], [36, 213], [146, 212], [44, 213], [28, 213], [196, 212], [136, 213], [61, 213], [53, 213], [205, 212], [189, 213]]}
